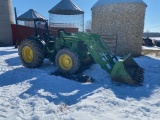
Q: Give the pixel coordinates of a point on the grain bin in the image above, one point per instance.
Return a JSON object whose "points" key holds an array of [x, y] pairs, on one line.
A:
{"points": [[66, 14], [124, 18], [5, 22]]}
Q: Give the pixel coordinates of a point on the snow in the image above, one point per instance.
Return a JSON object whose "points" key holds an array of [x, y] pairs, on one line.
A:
{"points": [[155, 38], [35, 94], [106, 2], [150, 48]]}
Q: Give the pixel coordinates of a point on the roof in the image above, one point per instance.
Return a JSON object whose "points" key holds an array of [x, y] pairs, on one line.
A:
{"points": [[66, 7], [30, 15], [105, 2]]}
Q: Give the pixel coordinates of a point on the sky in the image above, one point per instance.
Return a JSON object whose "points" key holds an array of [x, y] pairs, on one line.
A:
{"points": [[152, 16]]}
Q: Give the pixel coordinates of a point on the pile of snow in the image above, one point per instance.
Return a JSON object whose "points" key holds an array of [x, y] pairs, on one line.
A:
{"points": [[35, 94]]}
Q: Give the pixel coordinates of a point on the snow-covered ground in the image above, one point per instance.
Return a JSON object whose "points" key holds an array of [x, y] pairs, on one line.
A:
{"points": [[150, 48], [35, 94], [155, 38]]}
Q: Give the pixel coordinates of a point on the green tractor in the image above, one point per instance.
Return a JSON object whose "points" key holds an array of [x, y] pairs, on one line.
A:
{"points": [[70, 50]]}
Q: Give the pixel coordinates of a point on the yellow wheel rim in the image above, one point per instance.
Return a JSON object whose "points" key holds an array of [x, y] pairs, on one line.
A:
{"points": [[65, 62], [27, 54]]}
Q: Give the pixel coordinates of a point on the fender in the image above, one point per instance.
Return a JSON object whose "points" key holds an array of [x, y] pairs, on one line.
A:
{"points": [[40, 41]]}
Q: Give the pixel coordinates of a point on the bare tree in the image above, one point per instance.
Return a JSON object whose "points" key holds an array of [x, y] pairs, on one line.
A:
{"points": [[88, 25]]}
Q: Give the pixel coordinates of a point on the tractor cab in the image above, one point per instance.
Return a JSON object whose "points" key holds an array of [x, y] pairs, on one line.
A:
{"points": [[41, 30]]}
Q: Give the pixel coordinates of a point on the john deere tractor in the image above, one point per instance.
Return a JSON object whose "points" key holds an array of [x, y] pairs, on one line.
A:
{"points": [[70, 50]]}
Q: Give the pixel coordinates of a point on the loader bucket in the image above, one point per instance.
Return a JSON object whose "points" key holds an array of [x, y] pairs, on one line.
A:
{"points": [[126, 70]]}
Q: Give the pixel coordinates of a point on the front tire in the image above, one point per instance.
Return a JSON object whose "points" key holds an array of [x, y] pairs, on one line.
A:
{"points": [[67, 61], [31, 53]]}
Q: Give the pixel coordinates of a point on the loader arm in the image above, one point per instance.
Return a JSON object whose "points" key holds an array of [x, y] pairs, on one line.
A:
{"points": [[125, 70], [99, 50], [102, 54]]}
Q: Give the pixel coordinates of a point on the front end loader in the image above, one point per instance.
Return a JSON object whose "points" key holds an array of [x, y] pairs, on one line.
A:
{"points": [[70, 50], [124, 70]]}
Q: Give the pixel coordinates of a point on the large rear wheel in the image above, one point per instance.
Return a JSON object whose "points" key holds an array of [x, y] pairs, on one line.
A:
{"points": [[31, 53], [67, 61]]}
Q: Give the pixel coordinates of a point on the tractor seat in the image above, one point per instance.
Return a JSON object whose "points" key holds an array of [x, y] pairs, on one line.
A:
{"points": [[47, 37]]}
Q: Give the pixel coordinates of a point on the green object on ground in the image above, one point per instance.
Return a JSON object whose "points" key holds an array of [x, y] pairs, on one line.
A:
{"points": [[126, 70]]}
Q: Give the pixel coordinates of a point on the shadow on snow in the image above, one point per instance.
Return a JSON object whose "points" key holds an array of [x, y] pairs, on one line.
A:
{"points": [[5, 52], [13, 61], [61, 90]]}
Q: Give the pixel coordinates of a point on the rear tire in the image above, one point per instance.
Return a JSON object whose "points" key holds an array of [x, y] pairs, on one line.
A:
{"points": [[31, 53], [67, 61]]}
